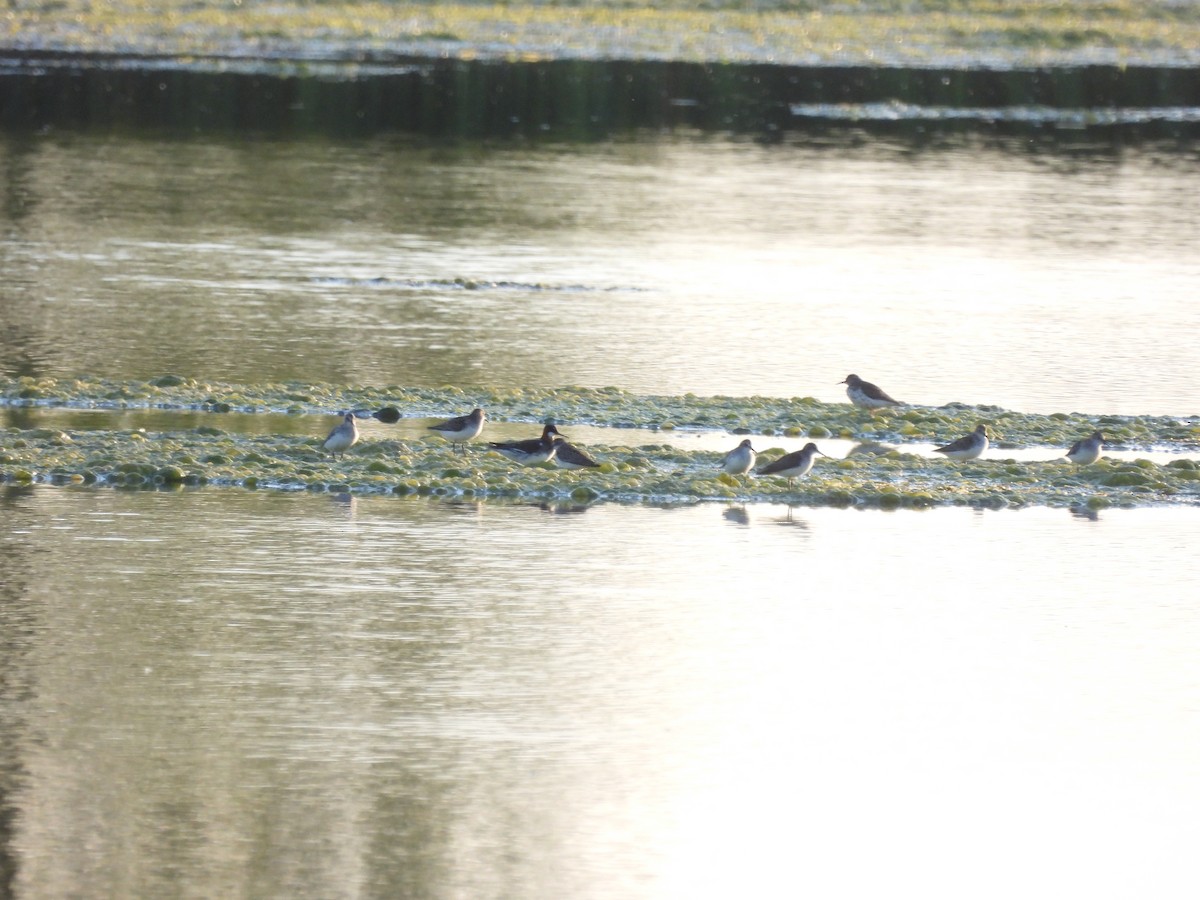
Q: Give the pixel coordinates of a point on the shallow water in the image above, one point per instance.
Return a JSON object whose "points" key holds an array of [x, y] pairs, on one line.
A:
{"points": [[1041, 278], [288, 695], [236, 693], [416, 429]]}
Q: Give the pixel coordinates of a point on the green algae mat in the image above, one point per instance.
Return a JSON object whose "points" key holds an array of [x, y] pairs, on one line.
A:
{"points": [[1003, 33], [890, 474]]}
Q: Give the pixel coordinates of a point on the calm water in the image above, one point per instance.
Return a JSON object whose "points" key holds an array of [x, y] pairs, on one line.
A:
{"points": [[235, 694], [995, 272], [226, 693]]}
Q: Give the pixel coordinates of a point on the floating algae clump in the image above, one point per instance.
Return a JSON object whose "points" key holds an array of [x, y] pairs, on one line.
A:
{"points": [[170, 475]]}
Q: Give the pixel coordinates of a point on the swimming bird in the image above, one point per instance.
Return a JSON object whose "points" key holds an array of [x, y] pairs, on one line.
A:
{"points": [[865, 395], [532, 452], [568, 456], [793, 465], [1086, 451], [969, 447], [740, 459], [460, 429], [531, 445], [343, 437]]}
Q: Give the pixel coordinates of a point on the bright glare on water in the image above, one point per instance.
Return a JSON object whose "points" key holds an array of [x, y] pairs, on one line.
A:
{"points": [[281, 695], [223, 693], [997, 273]]}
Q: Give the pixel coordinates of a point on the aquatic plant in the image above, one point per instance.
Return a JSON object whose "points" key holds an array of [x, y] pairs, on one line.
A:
{"points": [[859, 32], [885, 477]]}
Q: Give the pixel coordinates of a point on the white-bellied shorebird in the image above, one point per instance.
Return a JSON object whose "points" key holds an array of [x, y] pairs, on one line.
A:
{"points": [[793, 465], [343, 437], [568, 456], [460, 429], [1087, 450], [740, 459], [865, 395], [969, 447]]}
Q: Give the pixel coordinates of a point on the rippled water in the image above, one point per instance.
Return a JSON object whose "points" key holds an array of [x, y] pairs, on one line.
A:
{"points": [[280, 695], [230, 693], [1038, 277]]}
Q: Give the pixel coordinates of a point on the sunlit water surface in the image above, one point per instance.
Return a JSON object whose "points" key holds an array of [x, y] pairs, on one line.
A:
{"points": [[1040, 275], [226, 693], [255, 694]]}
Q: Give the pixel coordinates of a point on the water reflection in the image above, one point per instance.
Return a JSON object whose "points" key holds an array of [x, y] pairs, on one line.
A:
{"points": [[313, 695], [790, 520], [291, 693], [564, 509], [681, 263], [587, 100], [743, 516], [736, 515], [871, 448]]}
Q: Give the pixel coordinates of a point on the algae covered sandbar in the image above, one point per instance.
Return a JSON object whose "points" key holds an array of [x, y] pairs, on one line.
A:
{"points": [[856, 32], [892, 476]]}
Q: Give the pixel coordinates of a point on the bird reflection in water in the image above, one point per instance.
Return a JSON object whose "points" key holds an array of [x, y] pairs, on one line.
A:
{"points": [[564, 509], [788, 520], [466, 507], [1084, 512], [736, 515], [870, 448], [346, 503]]}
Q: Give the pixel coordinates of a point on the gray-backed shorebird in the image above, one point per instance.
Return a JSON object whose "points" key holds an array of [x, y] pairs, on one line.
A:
{"points": [[533, 451], [969, 447], [865, 395], [520, 449], [740, 459], [460, 429], [568, 456], [1086, 451], [343, 437], [793, 465]]}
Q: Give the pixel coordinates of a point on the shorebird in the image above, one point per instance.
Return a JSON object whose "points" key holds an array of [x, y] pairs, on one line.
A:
{"points": [[568, 456], [1086, 451], [865, 395], [532, 452], [969, 447], [793, 465], [343, 437], [460, 429], [740, 459], [531, 445]]}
